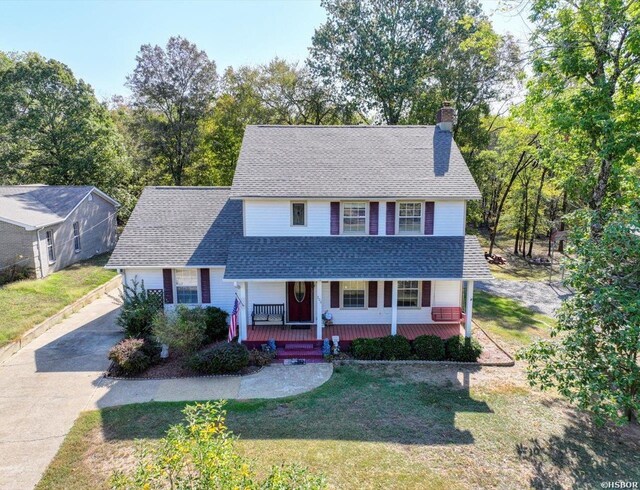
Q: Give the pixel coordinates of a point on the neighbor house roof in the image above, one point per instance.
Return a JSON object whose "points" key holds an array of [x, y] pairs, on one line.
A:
{"points": [[178, 227], [393, 162], [371, 258], [35, 206]]}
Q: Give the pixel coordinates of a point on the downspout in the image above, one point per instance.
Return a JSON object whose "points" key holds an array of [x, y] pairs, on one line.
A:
{"points": [[39, 253]]}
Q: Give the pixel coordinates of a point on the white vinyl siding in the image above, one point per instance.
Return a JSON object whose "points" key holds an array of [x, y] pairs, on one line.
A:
{"points": [[449, 218], [273, 218], [446, 293]]}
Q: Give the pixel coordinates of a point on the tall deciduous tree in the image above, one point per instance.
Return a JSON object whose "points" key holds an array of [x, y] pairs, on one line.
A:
{"points": [[174, 89]]}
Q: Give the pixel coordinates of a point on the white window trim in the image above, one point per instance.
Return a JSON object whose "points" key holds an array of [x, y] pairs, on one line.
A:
{"points": [[366, 218], [422, 217], [78, 241], [53, 246], [419, 303], [366, 296], [306, 214], [175, 287]]}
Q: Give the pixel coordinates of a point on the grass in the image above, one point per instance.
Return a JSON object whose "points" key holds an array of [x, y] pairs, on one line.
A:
{"points": [[382, 427], [24, 304]]}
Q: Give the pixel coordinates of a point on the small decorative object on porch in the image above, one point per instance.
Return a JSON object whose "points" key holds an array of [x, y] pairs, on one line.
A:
{"points": [[336, 344], [164, 353], [294, 362], [327, 318], [326, 348], [271, 343]]}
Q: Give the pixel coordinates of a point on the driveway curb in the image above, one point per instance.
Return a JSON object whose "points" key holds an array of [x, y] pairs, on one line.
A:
{"points": [[10, 349]]}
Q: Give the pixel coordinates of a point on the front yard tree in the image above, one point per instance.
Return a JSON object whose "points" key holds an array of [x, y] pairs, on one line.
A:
{"points": [[592, 357], [174, 90]]}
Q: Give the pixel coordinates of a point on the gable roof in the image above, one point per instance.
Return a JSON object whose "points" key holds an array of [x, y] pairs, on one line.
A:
{"points": [[351, 162], [35, 206], [177, 227]]}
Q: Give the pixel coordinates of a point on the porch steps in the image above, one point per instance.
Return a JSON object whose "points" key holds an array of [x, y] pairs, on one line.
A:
{"points": [[300, 350], [299, 346]]}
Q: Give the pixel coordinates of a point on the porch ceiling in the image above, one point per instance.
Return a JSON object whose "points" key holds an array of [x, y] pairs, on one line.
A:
{"points": [[344, 258]]}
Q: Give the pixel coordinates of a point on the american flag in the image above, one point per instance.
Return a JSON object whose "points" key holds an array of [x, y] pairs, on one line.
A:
{"points": [[233, 326]]}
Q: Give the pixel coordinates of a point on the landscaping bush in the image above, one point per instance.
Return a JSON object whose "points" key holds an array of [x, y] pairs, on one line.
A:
{"points": [[216, 324], [138, 310], [429, 348], [16, 273], [182, 329], [395, 348], [367, 349], [132, 356], [462, 349], [222, 358], [260, 358]]}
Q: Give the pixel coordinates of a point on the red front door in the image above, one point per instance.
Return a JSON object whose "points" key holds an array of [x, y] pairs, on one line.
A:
{"points": [[299, 297]]}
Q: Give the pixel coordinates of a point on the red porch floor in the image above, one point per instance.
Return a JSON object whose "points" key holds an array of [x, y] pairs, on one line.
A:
{"points": [[349, 332]]}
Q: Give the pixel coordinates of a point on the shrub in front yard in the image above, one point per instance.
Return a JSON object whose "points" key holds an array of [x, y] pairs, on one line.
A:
{"points": [[222, 358], [132, 356], [216, 324], [182, 329], [462, 349], [429, 348], [260, 358], [395, 348], [367, 349], [138, 310]]}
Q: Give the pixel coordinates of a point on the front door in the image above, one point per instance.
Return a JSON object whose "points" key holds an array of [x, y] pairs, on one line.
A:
{"points": [[299, 297]]}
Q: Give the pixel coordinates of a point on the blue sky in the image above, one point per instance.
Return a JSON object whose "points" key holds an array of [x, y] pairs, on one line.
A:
{"points": [[99, 40]]}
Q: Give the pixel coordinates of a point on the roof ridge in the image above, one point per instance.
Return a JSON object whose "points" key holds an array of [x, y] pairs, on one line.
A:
{"points": [[215, 187]]}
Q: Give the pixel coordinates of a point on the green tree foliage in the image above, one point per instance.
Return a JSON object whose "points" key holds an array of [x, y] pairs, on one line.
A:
{"points": [[592, 357], [174, 89], [54, 131]]}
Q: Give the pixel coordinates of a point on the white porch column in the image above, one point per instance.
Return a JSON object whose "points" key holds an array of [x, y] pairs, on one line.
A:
{"points": [[469, 309], [394, 308], [242, 294], [319, 322]]}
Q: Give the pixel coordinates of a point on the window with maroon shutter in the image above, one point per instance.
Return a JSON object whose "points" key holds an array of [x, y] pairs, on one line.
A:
{"points": [[167, 281], [335, 294], [373, 294], [205, 285], [335, 218], [388, 293], [426, 293], [391, 218], [428, 217], [373, 218]]}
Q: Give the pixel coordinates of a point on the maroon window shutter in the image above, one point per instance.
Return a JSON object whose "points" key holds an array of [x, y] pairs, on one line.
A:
{"points": [[335, 294], [391, 218], [167, 280], [205, 284], [373, 218], [373, 294], [335, 218], [428, 217], [426, 293], [388, 295]]}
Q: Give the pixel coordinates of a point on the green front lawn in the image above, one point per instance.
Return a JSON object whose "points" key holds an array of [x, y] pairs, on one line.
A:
{"points": [[24, 304]]}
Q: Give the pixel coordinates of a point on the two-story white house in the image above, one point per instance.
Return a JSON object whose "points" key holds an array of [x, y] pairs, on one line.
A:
{"points": [[362, 224]]}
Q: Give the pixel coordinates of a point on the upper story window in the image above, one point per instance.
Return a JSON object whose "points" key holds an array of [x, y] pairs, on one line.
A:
{"points": [[51, 249], [76, 236], [187, 286], [354, 218], [353, 294], [409, 218], [408, 294], [298, 214]]}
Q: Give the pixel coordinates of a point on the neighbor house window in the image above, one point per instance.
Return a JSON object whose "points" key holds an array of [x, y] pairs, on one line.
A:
{"points": [[409, 217], [408, 294], [76, 236], [353, 294], [187, 286], [51, 250], [298, 214], [354, 218]]}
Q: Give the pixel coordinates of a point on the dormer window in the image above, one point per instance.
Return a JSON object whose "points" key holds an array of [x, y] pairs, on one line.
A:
{"points": [[298, 214], [354, 218], [409, 218]]}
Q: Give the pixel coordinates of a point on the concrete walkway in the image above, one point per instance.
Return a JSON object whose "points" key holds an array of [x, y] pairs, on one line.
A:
{"points": [[49, 382]]}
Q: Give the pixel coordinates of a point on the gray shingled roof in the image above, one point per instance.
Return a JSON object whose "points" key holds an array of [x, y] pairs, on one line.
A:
{"points": [[351, 162], [39, 205], [339, 257], [179, 226]]}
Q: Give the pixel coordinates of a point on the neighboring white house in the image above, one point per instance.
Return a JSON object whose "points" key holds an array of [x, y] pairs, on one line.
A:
{"points": [[366, 223], [49, 227]]}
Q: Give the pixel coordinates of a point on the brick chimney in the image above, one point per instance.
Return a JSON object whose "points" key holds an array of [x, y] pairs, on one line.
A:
{"points": [[444, 118]]}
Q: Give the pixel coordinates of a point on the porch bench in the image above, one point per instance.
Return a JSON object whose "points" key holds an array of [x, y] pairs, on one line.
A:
{"points": [[267, 313], [446, 314]]}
